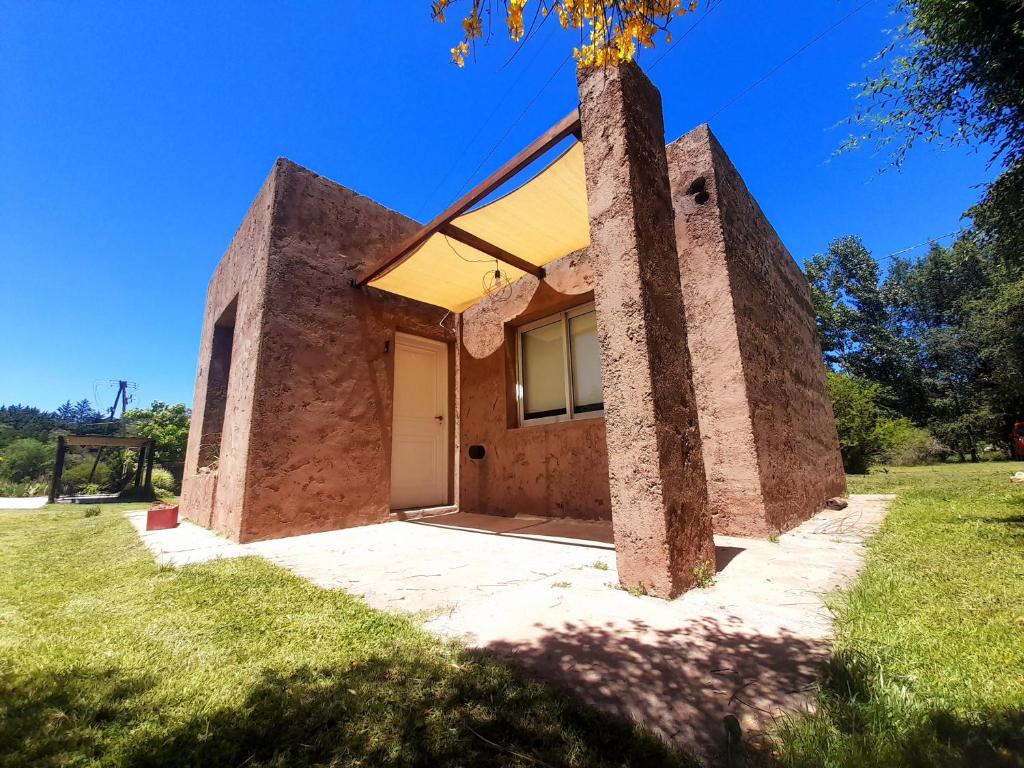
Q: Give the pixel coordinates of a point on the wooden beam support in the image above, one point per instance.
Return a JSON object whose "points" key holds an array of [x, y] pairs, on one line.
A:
{"points": [[567, 126], [58, 470], [140, 459], [150, 455], [107, 441], [455, 233]]}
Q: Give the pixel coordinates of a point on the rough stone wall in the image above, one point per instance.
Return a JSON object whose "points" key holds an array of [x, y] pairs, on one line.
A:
{"points": [[306, 440], [730, 456], [656, 476], [319, 457], [794, 427], [215, 497], [770, 443], [558, 469]]}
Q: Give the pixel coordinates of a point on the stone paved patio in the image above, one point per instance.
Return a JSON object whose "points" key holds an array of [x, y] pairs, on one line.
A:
{"points": [[543, 592]]}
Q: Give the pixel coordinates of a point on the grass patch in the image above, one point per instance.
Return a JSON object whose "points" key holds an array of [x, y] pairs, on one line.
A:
{"points": [[106, 659], [928, 665], [704, 574]]}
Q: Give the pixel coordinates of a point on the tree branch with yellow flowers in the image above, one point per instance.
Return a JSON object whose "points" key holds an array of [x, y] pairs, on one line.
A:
{"points": [[610, 30]]}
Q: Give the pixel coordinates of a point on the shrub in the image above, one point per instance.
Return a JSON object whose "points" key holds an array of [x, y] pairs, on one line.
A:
{"points": [[904, 444], [163, 482], [33, 488], [855, 404], [92, 511], [75, 479], [26, 459]]}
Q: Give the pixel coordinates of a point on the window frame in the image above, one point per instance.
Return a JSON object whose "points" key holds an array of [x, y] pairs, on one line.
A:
{"points": [[562, 318]]}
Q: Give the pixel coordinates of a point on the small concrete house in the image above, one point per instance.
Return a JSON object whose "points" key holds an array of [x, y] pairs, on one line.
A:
{"points": [[621, 337]]}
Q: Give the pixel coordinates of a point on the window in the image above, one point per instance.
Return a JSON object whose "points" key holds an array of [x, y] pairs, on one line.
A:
{"points": [[559, 368]]}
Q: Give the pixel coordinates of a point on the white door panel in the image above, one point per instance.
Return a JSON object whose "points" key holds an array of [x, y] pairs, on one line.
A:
{"points": [[419, 454]]}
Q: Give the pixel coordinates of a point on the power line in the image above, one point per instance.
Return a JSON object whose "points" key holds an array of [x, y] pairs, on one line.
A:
{"points": [[512, 126], [791, 57], [711, 8], [929, 241], [480, 127]]}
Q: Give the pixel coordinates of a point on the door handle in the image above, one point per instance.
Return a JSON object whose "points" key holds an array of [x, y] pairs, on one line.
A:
{"points": [[439, 419]]}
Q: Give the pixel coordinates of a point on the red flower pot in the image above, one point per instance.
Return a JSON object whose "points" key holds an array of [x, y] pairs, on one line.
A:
{"points": [[161, 516]]}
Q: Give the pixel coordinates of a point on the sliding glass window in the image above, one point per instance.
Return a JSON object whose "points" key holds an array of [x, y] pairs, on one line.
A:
{"points": [[559, 376]]}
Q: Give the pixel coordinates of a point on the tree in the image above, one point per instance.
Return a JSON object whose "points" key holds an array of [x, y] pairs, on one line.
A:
{"points": [[999, 214], [858, 420], [79, 413], [860, 322], [26, 459], [610, 30], [952, 75], [965, 306], [24, 421], [993, 320], [167, 424], [941, 336]]}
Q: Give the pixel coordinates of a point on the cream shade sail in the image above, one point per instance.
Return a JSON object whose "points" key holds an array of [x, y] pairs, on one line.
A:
{"points": [[544, 219]]}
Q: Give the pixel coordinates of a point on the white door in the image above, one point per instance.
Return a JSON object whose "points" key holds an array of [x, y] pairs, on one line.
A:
{"points": [[419, 443]]}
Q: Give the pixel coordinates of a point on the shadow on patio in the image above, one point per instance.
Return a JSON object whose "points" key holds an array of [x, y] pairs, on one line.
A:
{"points": [[681, 682]]}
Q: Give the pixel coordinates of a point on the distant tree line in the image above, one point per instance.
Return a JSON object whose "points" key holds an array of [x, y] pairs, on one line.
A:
{"points": [[926, 357], [28, 441], [927, 360]]}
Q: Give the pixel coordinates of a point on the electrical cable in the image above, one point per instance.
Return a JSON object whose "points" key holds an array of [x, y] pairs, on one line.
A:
{"points": [[677, 41], [789, 59]]}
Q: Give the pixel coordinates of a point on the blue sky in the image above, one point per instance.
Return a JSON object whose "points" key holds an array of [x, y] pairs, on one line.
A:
{"points": [[133, 137]]}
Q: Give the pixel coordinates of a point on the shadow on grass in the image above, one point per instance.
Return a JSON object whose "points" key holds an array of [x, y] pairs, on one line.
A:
{"points": [[380, 712], [432, 708], [61, 714], [865, 716], [683, 680], [470, 710], [693, 684]]}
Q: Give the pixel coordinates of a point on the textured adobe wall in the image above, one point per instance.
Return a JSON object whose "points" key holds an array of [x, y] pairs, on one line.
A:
{"points": [[655, 465], [730, 456], [319, 456], [215, 498], [546, 469], [770, 443], [794, 427]]}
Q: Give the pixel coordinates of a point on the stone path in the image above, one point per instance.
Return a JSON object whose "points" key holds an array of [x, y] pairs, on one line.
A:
{"points": [[30, 502], [544, 593]]}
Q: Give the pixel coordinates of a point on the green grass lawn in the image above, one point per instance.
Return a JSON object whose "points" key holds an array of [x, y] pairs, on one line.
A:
{"points": [[106, 659], [928, 668]]}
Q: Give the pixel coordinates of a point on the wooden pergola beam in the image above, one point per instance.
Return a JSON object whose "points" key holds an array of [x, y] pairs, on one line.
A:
{"points": [[567, 126], [455, 233], [106, 441]]}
